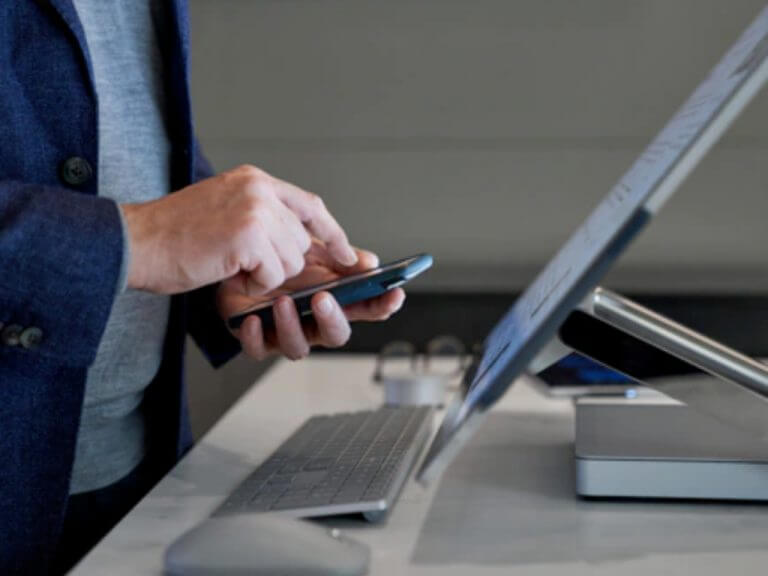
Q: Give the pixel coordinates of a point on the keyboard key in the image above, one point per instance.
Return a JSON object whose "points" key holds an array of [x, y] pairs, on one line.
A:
{"points": [[308, 478], [352, 495], [316, 500], [319, 464], [293, 466], [285, 505], [280, 480]]}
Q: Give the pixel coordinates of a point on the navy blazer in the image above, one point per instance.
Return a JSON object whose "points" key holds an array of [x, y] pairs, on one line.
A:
{"points": [[60, 256]]}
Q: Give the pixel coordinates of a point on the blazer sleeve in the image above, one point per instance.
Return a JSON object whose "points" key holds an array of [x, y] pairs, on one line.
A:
{"points": [[204, 323], [61, 255]]}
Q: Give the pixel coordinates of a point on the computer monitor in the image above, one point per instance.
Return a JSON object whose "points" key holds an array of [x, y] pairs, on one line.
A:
{"points": [[567, 279]]}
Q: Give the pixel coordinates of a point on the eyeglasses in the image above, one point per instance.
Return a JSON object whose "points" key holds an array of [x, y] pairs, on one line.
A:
{"points": [[444, 356]]}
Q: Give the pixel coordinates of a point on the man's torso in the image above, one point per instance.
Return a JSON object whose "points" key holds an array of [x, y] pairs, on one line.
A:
{"points": [[134, 166]]}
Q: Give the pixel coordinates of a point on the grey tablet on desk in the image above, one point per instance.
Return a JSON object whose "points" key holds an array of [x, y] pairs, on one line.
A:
{"points": [[576, 269]]}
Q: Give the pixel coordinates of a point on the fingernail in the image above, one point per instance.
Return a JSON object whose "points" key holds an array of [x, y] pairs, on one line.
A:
{"points": [[285, 305], [350, 257], [325, 306]]}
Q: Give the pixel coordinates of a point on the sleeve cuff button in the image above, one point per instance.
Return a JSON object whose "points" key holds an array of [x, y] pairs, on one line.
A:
{"points": [[11, 335], [31, 337]]}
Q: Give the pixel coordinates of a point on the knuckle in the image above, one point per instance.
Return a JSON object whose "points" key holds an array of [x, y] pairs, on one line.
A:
{"points": [[274, 281], [249, 172], [266, 279], [255, 183], [233, 263], [292, 269], [250, 212], [296, 265], [317, 203], [304, 241], [254, 196], [243, 176], [253, 220]]}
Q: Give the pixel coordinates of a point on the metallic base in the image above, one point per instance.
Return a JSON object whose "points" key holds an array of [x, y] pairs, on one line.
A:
{"points": [[660, 449]]}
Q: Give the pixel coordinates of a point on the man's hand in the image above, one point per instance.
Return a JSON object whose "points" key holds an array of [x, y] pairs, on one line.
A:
{"points": [[243, 224], [331, 323]]}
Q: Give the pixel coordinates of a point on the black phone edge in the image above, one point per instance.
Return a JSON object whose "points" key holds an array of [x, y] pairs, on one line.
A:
{"points": [[265, 313]]}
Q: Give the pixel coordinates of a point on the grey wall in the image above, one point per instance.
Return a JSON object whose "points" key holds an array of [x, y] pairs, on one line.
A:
{"points": [[480, 130]]}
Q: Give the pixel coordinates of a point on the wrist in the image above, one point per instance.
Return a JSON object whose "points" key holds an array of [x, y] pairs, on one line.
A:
{"points": [[125, 265], [136, 237]]}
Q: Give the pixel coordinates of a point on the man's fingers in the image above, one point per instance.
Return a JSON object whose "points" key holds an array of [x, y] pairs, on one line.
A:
{"points": [[293, 226], [366, 260], [319, 254], [315, 217], [231, 298], [310, 276], [269, 274], [290, 335], [288, 241], [252, 338], [333, 327], [291, 259], [321, 267], [376, 309]]}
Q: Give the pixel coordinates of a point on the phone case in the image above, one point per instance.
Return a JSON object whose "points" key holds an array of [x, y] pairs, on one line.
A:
{"points": [[349, 290]]}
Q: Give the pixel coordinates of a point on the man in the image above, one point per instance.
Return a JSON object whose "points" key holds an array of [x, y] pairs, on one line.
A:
{"points": [[104, 271]]}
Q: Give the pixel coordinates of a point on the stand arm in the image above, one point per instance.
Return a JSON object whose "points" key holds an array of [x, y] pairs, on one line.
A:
{"points": [[662, 354]]}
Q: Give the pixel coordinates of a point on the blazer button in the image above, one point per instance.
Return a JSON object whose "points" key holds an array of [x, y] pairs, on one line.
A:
{"points": [[75, 171], [11, 335], [31, 337]]}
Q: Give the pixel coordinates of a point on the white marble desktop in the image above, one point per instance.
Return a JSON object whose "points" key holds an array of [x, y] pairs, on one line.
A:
{"points": [[505, 507]]}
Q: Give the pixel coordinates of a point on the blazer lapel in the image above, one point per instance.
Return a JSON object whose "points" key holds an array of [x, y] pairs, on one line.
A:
{"points": [[68, 14]]}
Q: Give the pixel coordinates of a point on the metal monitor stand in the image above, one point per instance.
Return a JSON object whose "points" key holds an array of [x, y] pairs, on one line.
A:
{"points": [[708, 439]]}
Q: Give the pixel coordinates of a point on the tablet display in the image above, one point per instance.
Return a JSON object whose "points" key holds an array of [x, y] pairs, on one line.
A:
{"points": [[534, 319]]}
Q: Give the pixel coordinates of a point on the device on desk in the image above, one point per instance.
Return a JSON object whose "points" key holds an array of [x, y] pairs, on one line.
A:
{"points": [[709, 444], [577, 375], [262, 545], [532, 323], [353, 463], [358, 462], [346, 290]]}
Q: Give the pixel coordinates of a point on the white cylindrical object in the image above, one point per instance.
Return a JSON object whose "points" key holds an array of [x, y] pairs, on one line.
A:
{"points": [[417, 390]]}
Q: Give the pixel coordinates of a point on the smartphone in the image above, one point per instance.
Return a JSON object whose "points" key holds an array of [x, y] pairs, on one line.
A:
{"points": [[346, 290]]}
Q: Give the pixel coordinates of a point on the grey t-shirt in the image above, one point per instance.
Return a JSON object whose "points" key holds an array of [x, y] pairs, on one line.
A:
{"points": [[134, 166]]}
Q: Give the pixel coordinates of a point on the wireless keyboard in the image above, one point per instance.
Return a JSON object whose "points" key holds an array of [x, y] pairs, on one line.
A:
{"points": [[340, 464]]}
